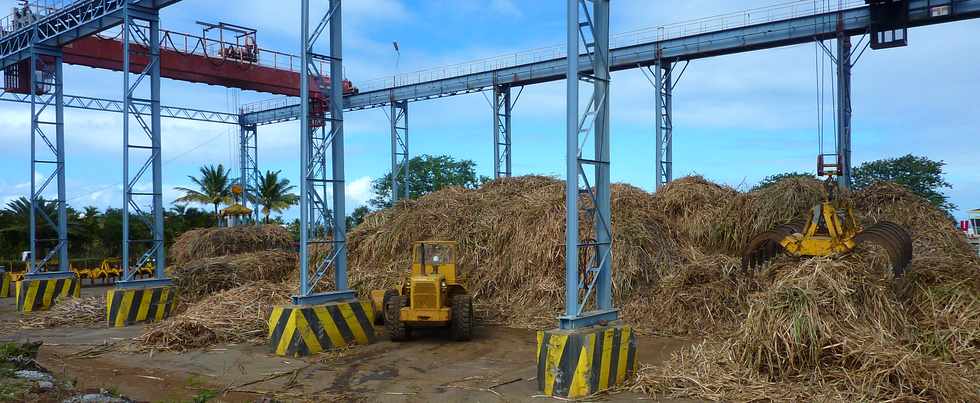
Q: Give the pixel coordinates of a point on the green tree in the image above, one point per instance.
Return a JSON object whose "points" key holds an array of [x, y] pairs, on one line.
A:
{"points": [[772, 179], [17, 225], [273, 194], [213, 187], [921, 175], [427, 174], [86, 242], [357, 216]]}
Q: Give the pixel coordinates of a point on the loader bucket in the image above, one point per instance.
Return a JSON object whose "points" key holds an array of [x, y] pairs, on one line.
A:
{"points": [[766, 245], [895, 241]]}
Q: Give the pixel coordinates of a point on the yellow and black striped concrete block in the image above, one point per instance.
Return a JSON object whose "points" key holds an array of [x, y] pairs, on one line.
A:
{"points": [[5, 283], [577, 363], [39, 295], [301, 330], [125, 307]]}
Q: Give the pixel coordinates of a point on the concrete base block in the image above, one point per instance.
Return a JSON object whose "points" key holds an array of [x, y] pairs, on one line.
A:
{"points": [[302, 330], [125, 307], [41, 294], [577, 363], [5, 284]]}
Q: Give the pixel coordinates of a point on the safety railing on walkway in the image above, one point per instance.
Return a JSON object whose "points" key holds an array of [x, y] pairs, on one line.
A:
{"points": [[783, 11]]}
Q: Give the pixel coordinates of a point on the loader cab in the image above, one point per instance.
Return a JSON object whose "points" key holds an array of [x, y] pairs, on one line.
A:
{"points": [[435, 257]]}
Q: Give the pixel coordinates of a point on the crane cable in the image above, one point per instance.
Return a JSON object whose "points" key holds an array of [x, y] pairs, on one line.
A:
{"points": [[821, 81]]}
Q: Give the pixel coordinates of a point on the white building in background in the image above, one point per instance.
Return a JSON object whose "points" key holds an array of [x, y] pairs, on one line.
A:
{"points": [[972, 228]]}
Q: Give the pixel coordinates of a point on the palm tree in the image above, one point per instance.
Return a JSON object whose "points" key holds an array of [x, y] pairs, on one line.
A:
{"points": [[273, 194], [20, 209], [213, 187]]}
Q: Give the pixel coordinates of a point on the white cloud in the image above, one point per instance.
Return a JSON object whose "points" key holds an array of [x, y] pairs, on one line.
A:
{"points": [[505, 7], [359, 192]]}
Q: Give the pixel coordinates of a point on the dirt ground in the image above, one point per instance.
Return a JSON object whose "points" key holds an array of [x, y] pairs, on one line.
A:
{"points": [[497, 365]]}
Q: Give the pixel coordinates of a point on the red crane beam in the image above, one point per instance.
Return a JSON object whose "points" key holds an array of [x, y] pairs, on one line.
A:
{"points": [[199, 60]]}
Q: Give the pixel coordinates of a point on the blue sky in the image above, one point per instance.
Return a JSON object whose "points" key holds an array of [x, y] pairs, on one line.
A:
{"points": [[737, 118]]}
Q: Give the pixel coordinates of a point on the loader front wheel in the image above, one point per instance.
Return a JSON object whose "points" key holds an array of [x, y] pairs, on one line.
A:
{"points": [[461, 326], [388, 296], [393, 322]]}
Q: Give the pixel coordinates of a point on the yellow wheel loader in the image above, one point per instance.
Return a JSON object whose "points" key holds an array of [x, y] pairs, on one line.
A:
{"points": [[831, 228], [432, 296]]}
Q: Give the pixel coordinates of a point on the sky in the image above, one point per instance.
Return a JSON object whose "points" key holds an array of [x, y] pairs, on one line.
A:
{"points": [[737, 118]]}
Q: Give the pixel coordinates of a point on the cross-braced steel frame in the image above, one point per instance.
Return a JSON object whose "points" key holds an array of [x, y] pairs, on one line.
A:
{"points": [[322, 228], [141, 26], [47, 116], [502, 107], [248, 158], [587, 146], [663, 105], [661, 75], [398, 118]]}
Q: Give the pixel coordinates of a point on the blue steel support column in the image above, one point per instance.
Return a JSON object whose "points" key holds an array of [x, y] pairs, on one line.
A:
{"points": [[305, 149], [502, 106], [248, 159], [151, 251], [399, 151], [319, 224], [602, 224], [124, 262], [663, 106], [668, 121], [571, 162], [337, 146], [160, 260], [47, 91], [844, 65], [593, 126]]}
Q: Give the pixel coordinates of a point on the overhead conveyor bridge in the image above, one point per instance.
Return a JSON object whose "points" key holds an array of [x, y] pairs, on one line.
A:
{"points": [[735, 33]]}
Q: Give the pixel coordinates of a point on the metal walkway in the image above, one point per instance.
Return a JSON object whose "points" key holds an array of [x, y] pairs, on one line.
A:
{"points": [[732, 33], [64, 25]]}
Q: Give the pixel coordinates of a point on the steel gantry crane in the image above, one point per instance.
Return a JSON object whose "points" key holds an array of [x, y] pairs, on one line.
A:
{"points": [[31, 53], [322, 210], [568, 356], [321, 319], [147, 151]]}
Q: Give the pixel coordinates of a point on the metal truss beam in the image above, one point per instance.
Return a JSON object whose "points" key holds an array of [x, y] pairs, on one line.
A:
{"points": [[111, 105], [146, 149], [588, 290], [400, 156], [502, 107], [47, 116], [322, 222], [76, 20], [250, 177]]}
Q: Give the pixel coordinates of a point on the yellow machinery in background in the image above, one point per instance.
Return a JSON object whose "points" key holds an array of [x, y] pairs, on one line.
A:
{"points": [[831, 228], [432, 296], [107, 270]]}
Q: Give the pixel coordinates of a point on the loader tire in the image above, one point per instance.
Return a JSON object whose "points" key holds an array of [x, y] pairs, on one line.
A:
{"points": [[388, 295], [393, 322], [461, 325]]}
